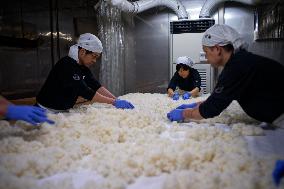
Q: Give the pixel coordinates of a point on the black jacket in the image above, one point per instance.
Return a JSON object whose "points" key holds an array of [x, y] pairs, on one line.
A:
{"points": [[187, 84], [65, 83], [254, 81]]}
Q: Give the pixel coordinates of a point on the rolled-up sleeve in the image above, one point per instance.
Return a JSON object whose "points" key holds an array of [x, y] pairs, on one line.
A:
{"points": [[89, 85], [214, 105], [85, 91], [93, 83], [230, 85]]}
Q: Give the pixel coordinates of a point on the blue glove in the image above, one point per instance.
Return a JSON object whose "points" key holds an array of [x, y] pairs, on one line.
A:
{"points": [[186, 95], [31, 114], [278, 172], [175, 115], [185, 106], [175, 96], [123, 104]]}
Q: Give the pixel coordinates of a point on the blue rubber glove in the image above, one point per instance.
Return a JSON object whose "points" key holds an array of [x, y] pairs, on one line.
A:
{"points": [[31, 114], [185, 106], [278, 172], [175, 96], [175, 115], [123, 104], [186, 95]]}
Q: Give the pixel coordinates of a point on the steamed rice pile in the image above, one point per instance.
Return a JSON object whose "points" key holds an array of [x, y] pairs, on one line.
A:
{"points": [[119, 146]]}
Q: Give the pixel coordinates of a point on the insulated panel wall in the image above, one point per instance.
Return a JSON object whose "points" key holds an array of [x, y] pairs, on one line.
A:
{"points": [[34, 35]]}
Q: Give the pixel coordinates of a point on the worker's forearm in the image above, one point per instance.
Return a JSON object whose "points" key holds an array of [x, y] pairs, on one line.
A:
{"points": [[3, 110], [102, 99], [170, 92], [103, 91], [195, 92], [3, 106], [192, 114]]}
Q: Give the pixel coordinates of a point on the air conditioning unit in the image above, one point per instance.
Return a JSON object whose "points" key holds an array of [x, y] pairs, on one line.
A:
{"points": [[186, 40], [206, 73]]}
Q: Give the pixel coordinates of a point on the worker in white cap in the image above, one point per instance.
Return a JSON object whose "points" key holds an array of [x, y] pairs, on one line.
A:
{"points": [[71, 79], [254, 81], [186, 78]]}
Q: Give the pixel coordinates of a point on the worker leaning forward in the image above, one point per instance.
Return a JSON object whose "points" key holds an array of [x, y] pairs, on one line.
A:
{"points": [[71, 78], [254, 81], [186, 78]]}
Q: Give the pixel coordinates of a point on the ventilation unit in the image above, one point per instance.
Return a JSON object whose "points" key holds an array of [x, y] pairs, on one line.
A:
{"points": [[186, 40], [206, 74]]}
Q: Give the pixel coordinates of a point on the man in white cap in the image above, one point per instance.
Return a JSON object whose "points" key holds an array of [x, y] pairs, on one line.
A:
{"points": [[186, 78], [254, 81], [71, 78]]}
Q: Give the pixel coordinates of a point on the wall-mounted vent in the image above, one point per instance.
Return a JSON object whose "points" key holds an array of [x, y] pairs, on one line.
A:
{"points": [[206, 74], [191, 26]]}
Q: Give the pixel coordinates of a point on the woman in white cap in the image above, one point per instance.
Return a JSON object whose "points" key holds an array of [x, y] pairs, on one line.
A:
{"points": [[186, 78], [71, 78], [254, 81]]}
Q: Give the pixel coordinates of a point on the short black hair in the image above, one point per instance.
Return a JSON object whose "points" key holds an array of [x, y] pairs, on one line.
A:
{"points": [[87, 51], [228, 47], [183, 66]]}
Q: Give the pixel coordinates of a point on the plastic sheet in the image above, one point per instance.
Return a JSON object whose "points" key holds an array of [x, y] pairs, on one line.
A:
{"points": [[111, 32], [118, 57]]}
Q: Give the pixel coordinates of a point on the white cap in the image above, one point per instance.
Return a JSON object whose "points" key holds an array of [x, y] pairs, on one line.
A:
{"points": [[184, 60], [90, 42], [223, 35]]}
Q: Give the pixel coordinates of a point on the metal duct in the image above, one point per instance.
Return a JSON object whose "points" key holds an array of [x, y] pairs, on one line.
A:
{"points": [[111, 33], [140, 6], [209, 5]]}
